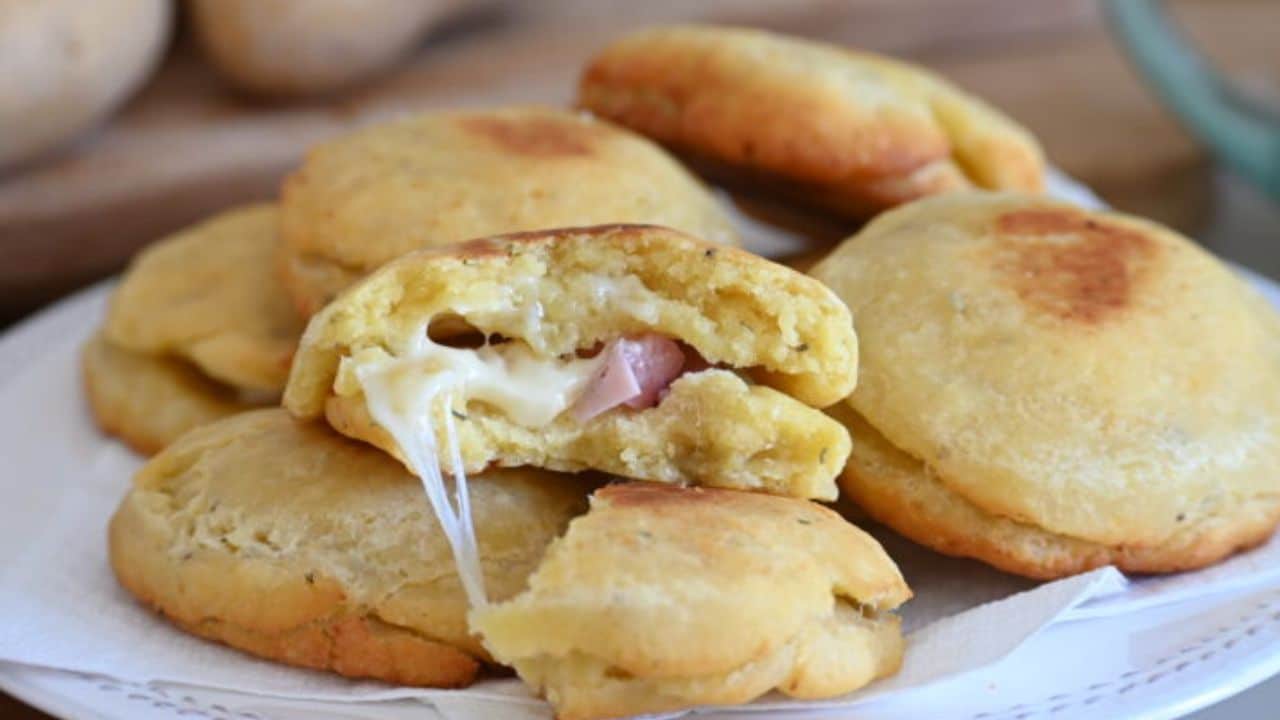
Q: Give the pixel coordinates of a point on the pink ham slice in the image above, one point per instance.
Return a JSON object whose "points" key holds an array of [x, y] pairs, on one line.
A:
{"points": [[634, 373]]}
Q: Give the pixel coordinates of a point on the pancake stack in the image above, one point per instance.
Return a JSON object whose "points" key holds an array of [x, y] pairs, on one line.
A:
{"points": [[850, 132], [471, 418], [199, 329], [536, 410], [364, 199]]}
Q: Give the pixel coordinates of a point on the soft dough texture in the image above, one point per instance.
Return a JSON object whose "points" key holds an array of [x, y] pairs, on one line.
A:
{"points": [[290, 542], [209, 294], [663, 598], [149, 401], [447, 177], [900, 491], [589, 285], [852, 131], [1087, 386]]}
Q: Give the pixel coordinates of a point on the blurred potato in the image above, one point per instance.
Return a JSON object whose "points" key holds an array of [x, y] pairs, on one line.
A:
{"points": [[67, 64], [289, 48]]}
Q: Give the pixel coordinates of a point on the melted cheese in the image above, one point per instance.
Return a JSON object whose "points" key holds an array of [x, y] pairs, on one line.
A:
{"points": [[405, 394], [625, 295]]}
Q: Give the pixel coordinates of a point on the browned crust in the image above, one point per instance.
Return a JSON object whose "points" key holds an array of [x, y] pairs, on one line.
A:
{"points": [[857, 197], [1037, 553], [656, 495], [539, 136], [110, 422], [815, 375], [712, 94], [1087, 281], [798, 143], [353, 646], [300, 620], [620, 234], [126, 397], [310, 296], [858, 193], [664, 105], [498, 245], [914, 523]]}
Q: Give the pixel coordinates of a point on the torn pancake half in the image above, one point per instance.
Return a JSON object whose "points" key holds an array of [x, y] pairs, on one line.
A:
{"points": [[633, 350], [662, 598]]}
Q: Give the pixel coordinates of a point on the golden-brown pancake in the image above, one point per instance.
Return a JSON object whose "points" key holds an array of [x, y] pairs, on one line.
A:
{"points": [[662, 598], [149, 401], [208, 294], [446, 177], [1090, 386], [901, 492], [767, 346], [851, 131]]}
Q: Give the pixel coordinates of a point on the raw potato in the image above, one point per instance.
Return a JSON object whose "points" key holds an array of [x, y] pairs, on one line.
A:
{"points": [[300, 47], [66, 64]]}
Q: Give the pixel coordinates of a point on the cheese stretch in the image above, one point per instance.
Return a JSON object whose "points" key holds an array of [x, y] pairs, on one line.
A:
{"points": [[426, 383]]}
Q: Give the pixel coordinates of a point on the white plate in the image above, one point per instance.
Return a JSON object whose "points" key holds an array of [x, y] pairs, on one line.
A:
{"points": [[1159, 663], [1163, 662]]}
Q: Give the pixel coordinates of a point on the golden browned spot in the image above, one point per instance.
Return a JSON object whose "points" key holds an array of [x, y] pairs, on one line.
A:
{"points": [[499, 245], [549, 235], [1065, 263], [634, 494], [533, 135]]}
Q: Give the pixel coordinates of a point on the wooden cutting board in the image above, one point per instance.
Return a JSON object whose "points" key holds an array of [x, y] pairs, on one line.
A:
{"points": [[185, 147]]}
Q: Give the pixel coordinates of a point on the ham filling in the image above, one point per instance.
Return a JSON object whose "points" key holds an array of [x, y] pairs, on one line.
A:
{"points": [[634, 372]]}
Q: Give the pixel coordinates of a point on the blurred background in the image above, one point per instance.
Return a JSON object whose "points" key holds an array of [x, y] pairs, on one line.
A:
{"points": [[122, 120], [118, 128]]}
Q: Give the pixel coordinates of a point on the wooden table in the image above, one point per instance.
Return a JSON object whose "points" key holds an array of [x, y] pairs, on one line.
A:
{"points": [[185, 147]]}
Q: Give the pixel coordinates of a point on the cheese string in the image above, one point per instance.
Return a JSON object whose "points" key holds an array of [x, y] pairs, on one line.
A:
{"points": [[413, 431], [462, 495], [408, 396]]}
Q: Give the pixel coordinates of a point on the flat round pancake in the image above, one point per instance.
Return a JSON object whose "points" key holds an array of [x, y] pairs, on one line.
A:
{"points": [[853, 131], [901, 492], [209, 294], [150, 401], [663, 598], [1089, 374], [584, 287], [288, 541], [446, 177]]}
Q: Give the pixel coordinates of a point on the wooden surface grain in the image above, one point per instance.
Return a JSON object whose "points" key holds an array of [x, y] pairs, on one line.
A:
{"points": [[12, 709], [186, 147]]}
